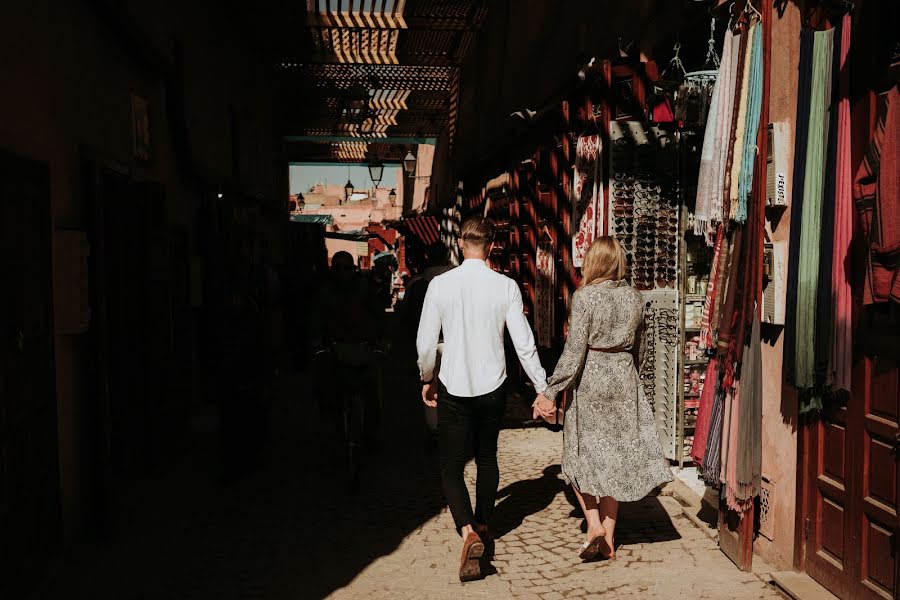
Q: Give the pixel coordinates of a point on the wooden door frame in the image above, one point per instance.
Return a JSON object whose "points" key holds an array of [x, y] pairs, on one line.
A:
{"points": [[46, 235], [95, 163]]}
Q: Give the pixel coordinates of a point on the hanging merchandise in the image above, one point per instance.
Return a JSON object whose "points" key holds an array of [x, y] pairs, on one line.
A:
{"points": [[711, 182], [585, 191], [801, 135], [818, 347], [545, 285], [754, 105], [840, 349], [644, 211], [709, 177], [876, 192]]}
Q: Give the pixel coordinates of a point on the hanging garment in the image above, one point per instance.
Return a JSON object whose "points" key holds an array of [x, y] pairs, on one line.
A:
{"points": [[706, 331], [824, 305], [586, 189], [748, 471], [740, 127], [544, 291], [726, 126], [661, 110], [801, 137], [707, 179], [840, 361], [811, 226], [729, 437], [704, 412], [709, 183], [712, 458], [754, 107]]}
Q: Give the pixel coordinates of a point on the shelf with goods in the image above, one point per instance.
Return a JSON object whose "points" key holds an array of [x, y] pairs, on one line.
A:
{"points": [[694, 261]]}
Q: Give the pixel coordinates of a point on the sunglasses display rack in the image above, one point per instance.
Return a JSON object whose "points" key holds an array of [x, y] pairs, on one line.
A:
{"points": [[658, 371], [645, 216], [645, 202]]}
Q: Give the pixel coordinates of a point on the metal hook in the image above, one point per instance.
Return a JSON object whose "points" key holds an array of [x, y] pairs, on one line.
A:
{"points": [[749, 8]]}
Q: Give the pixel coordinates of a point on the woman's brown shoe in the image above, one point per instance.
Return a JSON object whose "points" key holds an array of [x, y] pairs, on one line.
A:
{"points": [[469, 565]]}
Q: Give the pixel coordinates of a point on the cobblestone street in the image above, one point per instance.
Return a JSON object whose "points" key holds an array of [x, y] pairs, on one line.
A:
{"points": [[291, 532]]}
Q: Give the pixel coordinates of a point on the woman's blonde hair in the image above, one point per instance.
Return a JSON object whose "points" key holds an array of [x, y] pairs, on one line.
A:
{"points": [[604, 260]]}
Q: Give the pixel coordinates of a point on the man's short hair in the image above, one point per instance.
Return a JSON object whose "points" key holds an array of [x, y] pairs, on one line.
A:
{"points": [[477, 230], [342, 258]]}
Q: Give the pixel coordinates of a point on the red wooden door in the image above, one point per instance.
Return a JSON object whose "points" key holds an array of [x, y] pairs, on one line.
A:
{"points": [[853, 481], [828, 521], [877, 429]]}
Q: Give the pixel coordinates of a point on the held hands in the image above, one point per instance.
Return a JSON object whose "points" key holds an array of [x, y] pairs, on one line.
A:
{"points": [[543, 407], [429, 394]]}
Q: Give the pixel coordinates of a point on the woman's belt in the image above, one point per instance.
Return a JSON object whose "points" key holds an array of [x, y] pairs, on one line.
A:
{"points": [[615, 350]]}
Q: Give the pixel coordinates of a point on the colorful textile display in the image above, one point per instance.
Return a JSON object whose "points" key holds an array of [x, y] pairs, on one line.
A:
{"points": [[586, 189], [706, 330], [811, 226], [840, 352], [704, 413], [877, 194], [751, 130], [740, 125], [801, 135], [709, 182], [544, 288], [748, 462]]}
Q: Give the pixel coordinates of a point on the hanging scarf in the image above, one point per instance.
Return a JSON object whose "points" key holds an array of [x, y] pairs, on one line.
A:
{"points": [[801, 136], [824, 304], [586, 189], [725, 126], [704, 412], [709, 182], [748, 469], [706, 332], [729, 435], [733, 127], [811, 226], [754, 107], [740, 129], [712, 458], [840, 358]]}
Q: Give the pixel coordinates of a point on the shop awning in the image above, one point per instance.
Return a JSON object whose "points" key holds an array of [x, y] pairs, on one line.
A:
{"points": [[312, 219], [426, 229], [353, 236]]}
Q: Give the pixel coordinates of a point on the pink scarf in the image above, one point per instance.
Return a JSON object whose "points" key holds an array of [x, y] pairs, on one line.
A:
{"points": [[840, 359]]}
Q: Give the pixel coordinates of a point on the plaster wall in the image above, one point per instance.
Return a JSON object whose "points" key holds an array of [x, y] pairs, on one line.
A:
{"points": [[69, 87], [779, 460]]}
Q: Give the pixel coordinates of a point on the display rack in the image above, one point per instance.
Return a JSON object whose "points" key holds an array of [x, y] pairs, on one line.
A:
{"points": [[694, 266]]}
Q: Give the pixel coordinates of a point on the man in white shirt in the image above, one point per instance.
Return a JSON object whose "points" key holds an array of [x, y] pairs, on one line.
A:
{"points": [[472, 305]]}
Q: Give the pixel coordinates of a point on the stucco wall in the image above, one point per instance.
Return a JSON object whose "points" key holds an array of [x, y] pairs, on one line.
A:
{"points": [[69, 86], [780, 405]]}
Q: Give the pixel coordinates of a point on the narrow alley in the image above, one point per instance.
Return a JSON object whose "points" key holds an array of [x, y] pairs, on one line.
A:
{"points": [[283, 281], [290, 532]]}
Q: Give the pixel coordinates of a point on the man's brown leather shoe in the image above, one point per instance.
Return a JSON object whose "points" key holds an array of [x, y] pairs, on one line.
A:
{"points": [[469, 565]]}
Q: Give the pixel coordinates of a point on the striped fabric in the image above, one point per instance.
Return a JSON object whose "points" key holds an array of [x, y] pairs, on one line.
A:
{"points": [[426, 229]]}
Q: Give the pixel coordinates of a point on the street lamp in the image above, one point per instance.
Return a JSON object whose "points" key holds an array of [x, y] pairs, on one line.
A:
{"points": [[409, 164], [376, 170], [393, 197], [348, 189]]}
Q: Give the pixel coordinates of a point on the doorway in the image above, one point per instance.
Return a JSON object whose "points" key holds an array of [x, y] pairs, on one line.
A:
{"points": [[850, 529], [29, 460]]}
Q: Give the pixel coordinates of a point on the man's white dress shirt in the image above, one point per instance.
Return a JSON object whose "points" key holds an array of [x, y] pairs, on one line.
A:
{"points": [[472, 304]]}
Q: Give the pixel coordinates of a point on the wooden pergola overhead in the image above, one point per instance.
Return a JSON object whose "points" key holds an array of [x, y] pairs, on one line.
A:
{"points": [[404, 54]]}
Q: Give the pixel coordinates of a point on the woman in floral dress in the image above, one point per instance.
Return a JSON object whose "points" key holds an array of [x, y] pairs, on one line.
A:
{"points": [[611, 449]]}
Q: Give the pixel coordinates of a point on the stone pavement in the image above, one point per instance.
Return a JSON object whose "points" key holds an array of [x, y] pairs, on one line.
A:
{"points": [[662, 553], [291, 532]]}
